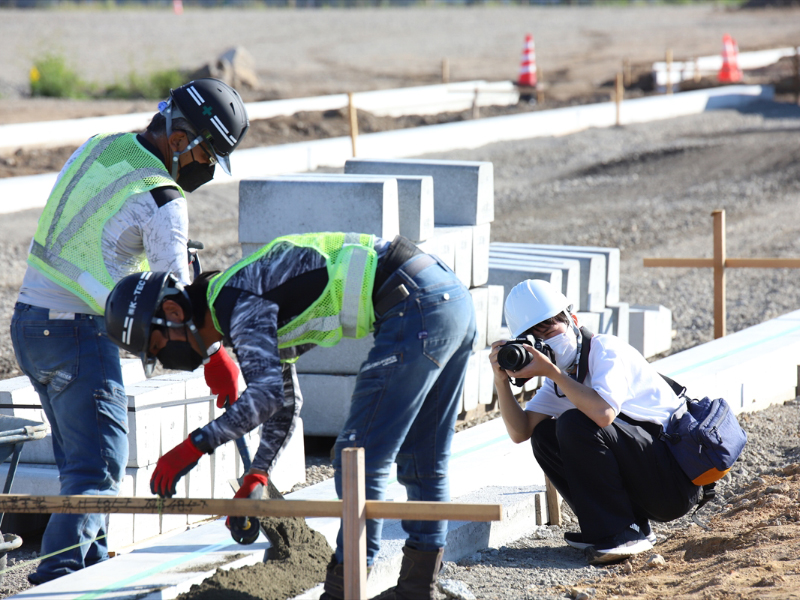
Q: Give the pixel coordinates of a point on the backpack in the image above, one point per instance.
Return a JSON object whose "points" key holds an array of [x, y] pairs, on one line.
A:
{"points": [[704, 436]]}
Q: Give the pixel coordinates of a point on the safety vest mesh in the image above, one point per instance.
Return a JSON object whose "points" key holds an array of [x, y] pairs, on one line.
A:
{"points": [[67, 244], [344, 309]]}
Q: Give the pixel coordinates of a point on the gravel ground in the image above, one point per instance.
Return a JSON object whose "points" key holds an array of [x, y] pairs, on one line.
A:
{"points": [[647, 189]]}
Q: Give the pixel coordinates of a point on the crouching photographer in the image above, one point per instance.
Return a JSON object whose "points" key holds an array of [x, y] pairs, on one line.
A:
{"points": [[594, 424]]}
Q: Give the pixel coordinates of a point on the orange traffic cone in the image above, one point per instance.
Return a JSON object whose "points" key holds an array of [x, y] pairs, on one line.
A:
{"points": [[177, 7], [730, 71], [527, 70]]}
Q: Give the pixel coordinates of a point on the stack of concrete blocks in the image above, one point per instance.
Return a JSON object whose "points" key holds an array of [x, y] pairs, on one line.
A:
{"points": [[162, 411], [589, 277], [445, 207]]}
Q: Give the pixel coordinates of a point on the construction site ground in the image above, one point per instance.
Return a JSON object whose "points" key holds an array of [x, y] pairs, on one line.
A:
{"points": [[648, 189]]}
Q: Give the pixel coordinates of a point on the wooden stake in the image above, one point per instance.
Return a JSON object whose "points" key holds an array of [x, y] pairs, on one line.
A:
{"points": [[669, 71], [475, 110], [375, 509], [626, 70], [445, 71], [719, 273], [354, 524], [797, 75], [353, 121], [553, 503], [618, 98]]}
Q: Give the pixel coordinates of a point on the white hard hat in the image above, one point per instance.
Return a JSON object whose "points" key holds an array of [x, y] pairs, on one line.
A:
{"points": [[531, 302]]}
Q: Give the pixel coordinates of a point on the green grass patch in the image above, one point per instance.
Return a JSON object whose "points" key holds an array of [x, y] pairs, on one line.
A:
{"points": [[51, 76], [155, 86]]}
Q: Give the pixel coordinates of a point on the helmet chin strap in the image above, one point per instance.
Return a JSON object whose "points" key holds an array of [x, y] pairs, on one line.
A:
{"points": [[167, 112], [192, 328]]}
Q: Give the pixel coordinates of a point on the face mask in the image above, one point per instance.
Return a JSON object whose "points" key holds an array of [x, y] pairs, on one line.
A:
{"points": [[193, 175], [565, 348], [179, 356]]}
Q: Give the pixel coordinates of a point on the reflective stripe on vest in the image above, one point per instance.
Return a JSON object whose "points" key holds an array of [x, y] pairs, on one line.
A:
{"points": [[92, 189]]}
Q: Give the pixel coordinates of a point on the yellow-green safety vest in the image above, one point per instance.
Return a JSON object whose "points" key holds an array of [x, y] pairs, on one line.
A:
{"points": [[344, 309], [67, 244]]}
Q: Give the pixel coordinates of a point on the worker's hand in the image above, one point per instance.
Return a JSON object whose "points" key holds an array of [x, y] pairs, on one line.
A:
{"points": [[222, 377], [499, 373], [540, 366], [244, 530], [172, 466]]}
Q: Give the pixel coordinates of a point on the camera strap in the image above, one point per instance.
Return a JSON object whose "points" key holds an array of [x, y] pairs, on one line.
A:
{"points": [[584, 347]]}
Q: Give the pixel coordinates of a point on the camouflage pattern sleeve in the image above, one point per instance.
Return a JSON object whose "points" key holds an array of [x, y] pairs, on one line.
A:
{"points": [[254, 333]]}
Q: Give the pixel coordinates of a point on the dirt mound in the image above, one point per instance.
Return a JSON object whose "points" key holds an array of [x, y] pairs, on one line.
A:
{"points": [[295, 563], [751, 551]]}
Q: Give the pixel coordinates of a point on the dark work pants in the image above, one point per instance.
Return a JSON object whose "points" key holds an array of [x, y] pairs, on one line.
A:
{"points": [[612, 476]]}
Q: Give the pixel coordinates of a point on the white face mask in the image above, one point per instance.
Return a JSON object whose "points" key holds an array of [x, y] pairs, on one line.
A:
{"points": [[565, 348]]}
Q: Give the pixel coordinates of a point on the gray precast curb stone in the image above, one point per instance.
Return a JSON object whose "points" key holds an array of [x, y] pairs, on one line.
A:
{"points": [[570, 276]]}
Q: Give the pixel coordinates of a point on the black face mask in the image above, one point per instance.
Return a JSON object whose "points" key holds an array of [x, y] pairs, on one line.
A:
{"points": [[193, 175], [179, 356]]}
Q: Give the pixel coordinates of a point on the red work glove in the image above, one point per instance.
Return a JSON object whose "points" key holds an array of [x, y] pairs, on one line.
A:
{"points": [[172, 466], [244, 530], [222, 377]]}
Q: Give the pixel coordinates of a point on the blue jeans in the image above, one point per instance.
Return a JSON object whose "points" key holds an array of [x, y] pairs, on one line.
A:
{"points": [[407, 397], [76, 371]]}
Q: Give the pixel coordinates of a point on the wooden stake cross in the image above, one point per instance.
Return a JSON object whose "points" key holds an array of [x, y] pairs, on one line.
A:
{"points": [[719, 263]]}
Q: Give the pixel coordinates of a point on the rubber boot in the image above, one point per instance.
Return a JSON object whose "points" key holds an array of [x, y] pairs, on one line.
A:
{"points": [[418, 574], [334, 581]]}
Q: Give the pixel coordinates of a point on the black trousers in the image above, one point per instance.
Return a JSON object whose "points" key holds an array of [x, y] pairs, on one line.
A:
{"points": [[612, 476]]}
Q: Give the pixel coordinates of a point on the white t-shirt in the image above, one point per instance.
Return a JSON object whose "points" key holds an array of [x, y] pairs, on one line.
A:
{"points": [[139, 227], [623, 378]]}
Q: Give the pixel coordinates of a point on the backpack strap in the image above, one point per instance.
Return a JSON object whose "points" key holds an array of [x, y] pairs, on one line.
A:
{"points": [[679, 389]]}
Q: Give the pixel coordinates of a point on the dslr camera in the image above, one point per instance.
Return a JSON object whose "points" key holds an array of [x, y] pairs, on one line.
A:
{"points": [[512, 356]]}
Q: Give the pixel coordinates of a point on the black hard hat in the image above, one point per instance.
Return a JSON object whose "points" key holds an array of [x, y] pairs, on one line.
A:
{"points": [[131, 309], [217, 112]]}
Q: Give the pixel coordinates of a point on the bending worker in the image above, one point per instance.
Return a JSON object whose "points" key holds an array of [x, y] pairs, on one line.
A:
{"points": [[593, 425], [118, 207], [316, 288]]}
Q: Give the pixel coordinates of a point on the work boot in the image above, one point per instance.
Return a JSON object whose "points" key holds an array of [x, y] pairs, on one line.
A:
{"points": [[334, 581], [418, 574]]}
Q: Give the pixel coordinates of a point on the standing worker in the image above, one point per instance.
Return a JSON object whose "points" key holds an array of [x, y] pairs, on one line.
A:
{"points": [[594, 424], [118, 206], [309, 289]]}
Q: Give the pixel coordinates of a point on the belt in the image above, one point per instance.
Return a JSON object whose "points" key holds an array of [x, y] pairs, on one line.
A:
{"points": [[388, 295]]}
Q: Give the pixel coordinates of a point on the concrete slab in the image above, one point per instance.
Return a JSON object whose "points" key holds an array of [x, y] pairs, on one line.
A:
{"points": [[592, 271], [494, 317], [510, 275], [621, 319], [343, 359], [570, 272], [443, 245], [462, 241], [463, 190], [612, 262], [270, 207], [480, 300], [326, 402]]}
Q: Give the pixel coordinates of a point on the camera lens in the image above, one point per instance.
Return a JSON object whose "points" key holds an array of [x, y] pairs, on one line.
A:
{"points": [[512, 357]]}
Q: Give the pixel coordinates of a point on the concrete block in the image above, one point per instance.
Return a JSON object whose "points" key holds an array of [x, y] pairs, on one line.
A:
{"points": [[145, 526], [193, 381], [270, 207], [485, 377], [592, 270], [612, 262], [443, 245], [606, 321], [510, 275], [570, 272], [480, 254], [326, 402], [494, 313], [650, 329], [345, 358], [620, 318], [145, 400], [480, 300], [462, 240], [199, 480], [471, 379], [132, 371], [463, 190], [590, 320], [414, 198], [18, 392], [119, 526]]}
